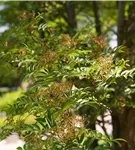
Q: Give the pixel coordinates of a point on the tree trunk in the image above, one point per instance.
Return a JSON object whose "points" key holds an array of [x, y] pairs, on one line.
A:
{"points": [[97, 18], [127, 128], [124, 127], [124, 122], [116, 128], [121, 18], [71, 17]]}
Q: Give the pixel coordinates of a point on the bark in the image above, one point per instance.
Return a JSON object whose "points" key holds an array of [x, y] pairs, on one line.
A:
{"points": [[71, 17], [124, 121], [97, 17], [116, 128], [116, 122], [121, 18], [130, 33], [124, 127], [127, 125]]}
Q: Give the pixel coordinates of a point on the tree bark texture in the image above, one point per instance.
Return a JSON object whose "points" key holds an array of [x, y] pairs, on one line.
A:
{"points": [[71, 16], [97, 17], [116, 128], [121, 18], [124, 121], [127, 128], [124, 127]]}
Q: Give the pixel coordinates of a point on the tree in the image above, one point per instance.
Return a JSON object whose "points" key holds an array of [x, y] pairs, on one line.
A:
{"points": [[55, 63]]}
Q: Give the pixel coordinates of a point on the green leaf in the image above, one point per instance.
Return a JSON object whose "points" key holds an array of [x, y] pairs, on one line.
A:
{"points": [[19, 148]]}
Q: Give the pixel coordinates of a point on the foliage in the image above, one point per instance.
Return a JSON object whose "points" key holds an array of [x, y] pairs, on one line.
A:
{"points": [[9, 98], [73, 78], [69, 77]]}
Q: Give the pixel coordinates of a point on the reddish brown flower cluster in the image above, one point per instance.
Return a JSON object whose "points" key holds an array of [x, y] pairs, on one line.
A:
{"points": [[105, 65], [99, 41], [22, 52], [67, 41], [55, 93], [66, 123], [66, 129], [48, 57], [34, 138], [25, 15]]}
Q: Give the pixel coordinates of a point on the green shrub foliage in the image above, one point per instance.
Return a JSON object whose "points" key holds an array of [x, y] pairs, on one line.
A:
{"points": [[68, 77]]}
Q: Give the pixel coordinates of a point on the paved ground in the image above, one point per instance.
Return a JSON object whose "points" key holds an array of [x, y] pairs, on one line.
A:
{"points": [[11, 142]]}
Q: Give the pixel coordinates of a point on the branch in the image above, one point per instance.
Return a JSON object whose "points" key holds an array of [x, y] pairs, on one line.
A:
{"points": [[103, 126]]}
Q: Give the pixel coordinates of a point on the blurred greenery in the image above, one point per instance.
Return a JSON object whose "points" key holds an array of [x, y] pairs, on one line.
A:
{"points": [[9, 98]]}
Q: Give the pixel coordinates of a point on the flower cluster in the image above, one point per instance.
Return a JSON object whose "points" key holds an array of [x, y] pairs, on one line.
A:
{"points": [[22, 52], [67, 41], [56, 93], [99, 41], [25, 15], [66, 129], [105, 65], [48, 57], [34, 138]]}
